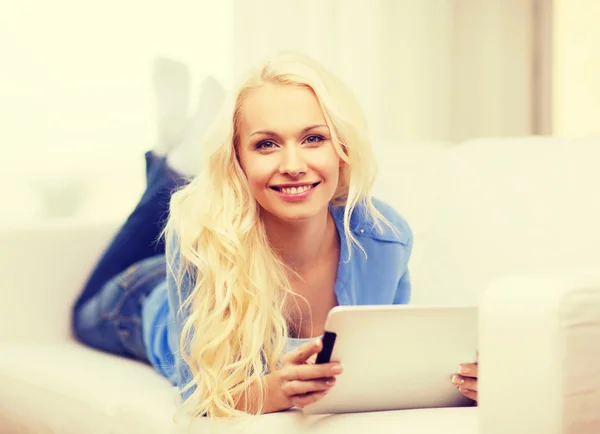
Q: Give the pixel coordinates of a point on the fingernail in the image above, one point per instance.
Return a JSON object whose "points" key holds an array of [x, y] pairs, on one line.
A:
{"points": [[462, 369], [457, 380], [337, 369], [463, 390], [329, 382]]}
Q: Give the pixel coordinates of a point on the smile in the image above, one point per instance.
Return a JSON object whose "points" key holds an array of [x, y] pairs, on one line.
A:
{"points": [[295, 190]]}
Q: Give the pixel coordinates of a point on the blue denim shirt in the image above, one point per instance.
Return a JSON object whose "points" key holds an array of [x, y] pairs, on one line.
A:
{"points": [[379, 278]]}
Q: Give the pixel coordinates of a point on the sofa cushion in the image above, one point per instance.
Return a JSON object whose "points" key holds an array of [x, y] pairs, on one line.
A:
{"points": [[68, 388]]}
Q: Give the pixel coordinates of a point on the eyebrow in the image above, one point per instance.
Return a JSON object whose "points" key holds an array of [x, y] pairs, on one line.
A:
{"points": [[272, 133]]}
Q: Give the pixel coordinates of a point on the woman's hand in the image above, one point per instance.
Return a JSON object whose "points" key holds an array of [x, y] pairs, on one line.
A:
{"points": [[466, 380], [300, 382]]}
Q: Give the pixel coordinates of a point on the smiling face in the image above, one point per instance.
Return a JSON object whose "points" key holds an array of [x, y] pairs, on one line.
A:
{"points": [[285, 150]]}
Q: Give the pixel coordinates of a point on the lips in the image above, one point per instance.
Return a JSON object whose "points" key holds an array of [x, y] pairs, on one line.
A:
{"points": [[294, 189]]}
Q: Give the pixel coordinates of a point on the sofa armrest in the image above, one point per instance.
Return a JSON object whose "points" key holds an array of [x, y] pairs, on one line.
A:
{"points": [[540, 355], [42, 269]]}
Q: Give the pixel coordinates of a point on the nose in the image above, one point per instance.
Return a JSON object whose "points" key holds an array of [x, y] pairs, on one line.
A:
{"points": [[292, 162]]}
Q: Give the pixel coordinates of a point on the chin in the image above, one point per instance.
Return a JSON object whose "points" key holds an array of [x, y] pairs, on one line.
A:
{"points": [[289, 214], [296, 217]]}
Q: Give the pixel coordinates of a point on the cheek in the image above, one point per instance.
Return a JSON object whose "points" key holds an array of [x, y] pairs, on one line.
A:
{"points": [[256, 178], [258, 173], [248, 167], [330, 166]]}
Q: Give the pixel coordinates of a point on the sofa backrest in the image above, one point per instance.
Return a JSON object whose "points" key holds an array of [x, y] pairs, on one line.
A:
{"points": [[43, 269], [485, 209]]}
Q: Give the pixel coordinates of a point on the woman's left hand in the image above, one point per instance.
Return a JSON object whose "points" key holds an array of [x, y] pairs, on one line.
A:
{"points": [[466, 380]]}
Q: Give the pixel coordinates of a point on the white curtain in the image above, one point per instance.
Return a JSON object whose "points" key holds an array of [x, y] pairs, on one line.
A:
{"points": [[424, 70]]}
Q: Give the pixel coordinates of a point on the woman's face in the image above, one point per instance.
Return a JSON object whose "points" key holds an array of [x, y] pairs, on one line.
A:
{"points": [[286, 152]]}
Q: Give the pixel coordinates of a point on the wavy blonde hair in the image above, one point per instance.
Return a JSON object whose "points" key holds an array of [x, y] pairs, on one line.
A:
{"points": [[236, 326]]}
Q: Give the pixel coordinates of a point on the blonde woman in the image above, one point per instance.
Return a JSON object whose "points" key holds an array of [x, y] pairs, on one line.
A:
{"points": [[278, 228]]}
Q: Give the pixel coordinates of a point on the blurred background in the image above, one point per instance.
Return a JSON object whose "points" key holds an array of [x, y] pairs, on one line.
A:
{"points": [[77, 110]]}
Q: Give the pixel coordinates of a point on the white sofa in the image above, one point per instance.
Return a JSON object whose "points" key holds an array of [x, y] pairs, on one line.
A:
{"points": [[518, 217]]}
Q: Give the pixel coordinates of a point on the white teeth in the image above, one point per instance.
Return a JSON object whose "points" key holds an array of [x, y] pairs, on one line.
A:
{"points": [[296, 190]]}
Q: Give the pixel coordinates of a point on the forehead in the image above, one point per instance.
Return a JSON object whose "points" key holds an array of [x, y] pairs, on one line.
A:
{"points": [[280, 108]]}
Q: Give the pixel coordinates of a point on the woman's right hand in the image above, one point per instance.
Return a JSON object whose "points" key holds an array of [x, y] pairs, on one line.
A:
{"points": [[300, 382]]}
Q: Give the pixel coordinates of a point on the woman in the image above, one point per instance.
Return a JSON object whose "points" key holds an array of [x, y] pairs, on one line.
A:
{"points": [[278, 228]]}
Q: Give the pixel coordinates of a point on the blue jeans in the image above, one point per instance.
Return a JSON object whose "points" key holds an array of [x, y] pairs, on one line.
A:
{"points": [[107, 314]]}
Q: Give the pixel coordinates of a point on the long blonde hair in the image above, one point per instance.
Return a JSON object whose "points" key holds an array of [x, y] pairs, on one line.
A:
{"points": [[236, 325]]}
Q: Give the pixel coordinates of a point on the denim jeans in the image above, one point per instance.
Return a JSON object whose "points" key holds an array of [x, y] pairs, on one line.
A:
{"points": [[107, 314]]}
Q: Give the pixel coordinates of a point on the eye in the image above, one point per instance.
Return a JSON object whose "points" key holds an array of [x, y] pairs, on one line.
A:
{"points": [[265, 145], [314, 139]]}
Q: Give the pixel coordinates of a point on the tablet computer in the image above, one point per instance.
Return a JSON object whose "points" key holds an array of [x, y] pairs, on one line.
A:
{"points": [[396, 357]]}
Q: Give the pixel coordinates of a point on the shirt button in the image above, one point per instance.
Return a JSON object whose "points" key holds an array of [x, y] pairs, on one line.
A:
{"points": [[362, 231]]}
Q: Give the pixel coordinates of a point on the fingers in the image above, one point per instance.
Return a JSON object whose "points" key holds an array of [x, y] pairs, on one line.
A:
{"points": [[303, 381], [466, 383], [303, 401], [471, 394], [303, 352], [469, 370], [294, 388], [310, 372]]}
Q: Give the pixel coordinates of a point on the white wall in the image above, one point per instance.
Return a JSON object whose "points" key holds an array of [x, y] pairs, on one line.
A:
{"points": [[75, 91], [78, 112], [425, 70], [576, 83]]}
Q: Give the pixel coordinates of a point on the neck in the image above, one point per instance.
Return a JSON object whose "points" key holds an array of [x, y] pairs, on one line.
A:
{"points": [[301, 244]]}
